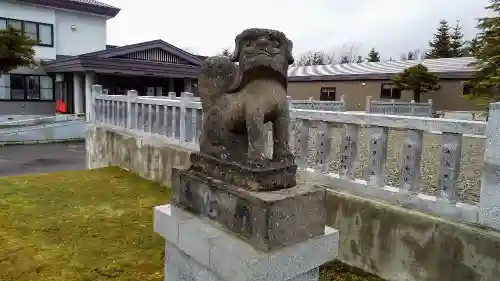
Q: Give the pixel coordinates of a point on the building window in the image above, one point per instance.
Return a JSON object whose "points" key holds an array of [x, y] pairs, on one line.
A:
{"points": [[467, 89], [389, 91], [327, 93], [4, 86], [42, 33], [22, 87]]}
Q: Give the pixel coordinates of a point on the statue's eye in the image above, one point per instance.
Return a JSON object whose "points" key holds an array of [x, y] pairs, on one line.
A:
{"points": [[249, 43]]}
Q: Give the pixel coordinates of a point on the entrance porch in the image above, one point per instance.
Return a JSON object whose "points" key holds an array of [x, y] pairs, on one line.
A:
{"points": [[151, 68]]}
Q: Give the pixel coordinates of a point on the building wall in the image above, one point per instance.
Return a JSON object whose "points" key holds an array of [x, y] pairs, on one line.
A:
{"points": [[88, 36], [34, 108], [31, 13], [449, 97]]}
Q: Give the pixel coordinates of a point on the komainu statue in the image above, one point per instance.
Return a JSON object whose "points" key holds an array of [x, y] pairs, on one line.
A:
{"points": [[239, 95]]}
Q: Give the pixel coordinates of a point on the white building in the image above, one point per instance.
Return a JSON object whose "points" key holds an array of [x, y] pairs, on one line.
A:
{"points": [[74, 55]]}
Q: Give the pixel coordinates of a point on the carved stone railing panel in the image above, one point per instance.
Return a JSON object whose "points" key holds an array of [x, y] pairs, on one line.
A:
{"points": [[449, 170], [323, 146], [410, 164], [377, 156]]}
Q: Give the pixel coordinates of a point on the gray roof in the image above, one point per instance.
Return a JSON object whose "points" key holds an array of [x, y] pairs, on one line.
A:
{"points": [[90, 6], [93, 2], [445, 68]]}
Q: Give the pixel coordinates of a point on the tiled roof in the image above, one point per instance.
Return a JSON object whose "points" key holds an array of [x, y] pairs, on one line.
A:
{"points": [[340, 71], [93, 2]]}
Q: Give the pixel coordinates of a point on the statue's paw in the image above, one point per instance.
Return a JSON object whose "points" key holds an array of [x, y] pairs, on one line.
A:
{"points": [[257, 160], [283, 156]]}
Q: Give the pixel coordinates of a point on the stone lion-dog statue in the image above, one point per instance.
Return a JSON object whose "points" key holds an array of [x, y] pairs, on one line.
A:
{"points": [[240, 94]]}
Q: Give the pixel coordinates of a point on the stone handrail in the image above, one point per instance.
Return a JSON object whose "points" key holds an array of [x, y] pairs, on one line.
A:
{"points": [[393, 107], [320, 105], [406, 193], [179, 121]]}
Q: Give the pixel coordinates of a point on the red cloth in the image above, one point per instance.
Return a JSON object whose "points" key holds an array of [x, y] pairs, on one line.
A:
{"points": [[60, 106]]}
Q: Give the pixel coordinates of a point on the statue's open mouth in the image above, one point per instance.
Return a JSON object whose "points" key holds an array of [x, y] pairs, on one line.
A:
{"points": [[264, 53]]}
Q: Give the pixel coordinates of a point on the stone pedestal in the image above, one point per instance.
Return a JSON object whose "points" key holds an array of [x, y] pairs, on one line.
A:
{"points": [[222, 230], [198, 249], [265, 219]]}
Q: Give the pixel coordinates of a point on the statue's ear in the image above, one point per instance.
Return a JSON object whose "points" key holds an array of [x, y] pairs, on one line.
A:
{"points": [[236, 54], [289, 53]]}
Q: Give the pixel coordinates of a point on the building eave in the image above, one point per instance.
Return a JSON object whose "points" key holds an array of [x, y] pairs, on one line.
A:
{"points": [[107, 11], [122, 66]]}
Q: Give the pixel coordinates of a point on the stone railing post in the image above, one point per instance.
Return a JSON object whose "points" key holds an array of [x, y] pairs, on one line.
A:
{"points": [[185, 97], [393, 107], [430, 106], [489, 202], [96, 91], [368, 105], [412, 108], [131, 97], [342, 99]]}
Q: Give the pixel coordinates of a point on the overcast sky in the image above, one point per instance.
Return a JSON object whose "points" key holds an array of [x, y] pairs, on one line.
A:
{"points": [[206, 26]]}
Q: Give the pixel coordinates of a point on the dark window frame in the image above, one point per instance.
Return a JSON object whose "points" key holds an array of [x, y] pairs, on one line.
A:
{"points": [[328, 91], [394, 92], [25, 88], [38, 24]]}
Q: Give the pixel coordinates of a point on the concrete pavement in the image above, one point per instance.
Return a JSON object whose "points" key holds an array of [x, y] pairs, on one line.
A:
{"points": [[41, 158]]}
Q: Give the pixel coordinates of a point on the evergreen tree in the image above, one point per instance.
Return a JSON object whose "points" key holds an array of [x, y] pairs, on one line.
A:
{"points": [[487, 79], [16, 50], [360, 59], [373, 56], [440, 46], [457, 43], [471, 47], [417, 79]]}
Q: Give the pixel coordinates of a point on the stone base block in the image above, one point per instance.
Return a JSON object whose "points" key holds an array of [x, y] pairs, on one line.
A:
{"points": [[267, 220], [269, 176], [181, 267], [199, 249]]}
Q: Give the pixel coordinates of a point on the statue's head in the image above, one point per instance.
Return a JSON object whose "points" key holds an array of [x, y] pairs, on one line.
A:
{"points": [[263, 48]]}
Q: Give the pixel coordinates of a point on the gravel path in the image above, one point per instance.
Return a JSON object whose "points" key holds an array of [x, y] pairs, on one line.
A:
{"points": [[471, 162]]}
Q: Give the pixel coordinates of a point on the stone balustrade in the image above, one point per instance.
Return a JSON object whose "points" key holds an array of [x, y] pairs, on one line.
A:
{"points": [[178, 121]]}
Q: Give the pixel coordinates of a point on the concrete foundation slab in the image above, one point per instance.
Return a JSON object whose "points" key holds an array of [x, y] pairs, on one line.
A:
{"points": [[201, 248]]}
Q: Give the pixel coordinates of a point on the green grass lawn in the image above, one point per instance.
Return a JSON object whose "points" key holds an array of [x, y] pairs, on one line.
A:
{"points": [[89, 225]]}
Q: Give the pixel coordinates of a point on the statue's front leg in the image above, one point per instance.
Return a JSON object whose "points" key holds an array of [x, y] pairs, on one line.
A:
{"points": [[281, 134], [255, 127], [213, 133]]}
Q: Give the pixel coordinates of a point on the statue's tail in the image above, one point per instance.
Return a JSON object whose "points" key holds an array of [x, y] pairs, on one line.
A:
{"points": [[217, 77]]}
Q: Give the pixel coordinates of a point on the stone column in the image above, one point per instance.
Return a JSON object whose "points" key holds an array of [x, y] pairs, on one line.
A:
{"points": [[78, 92], [489, 202], [187, 85], [171, 87], [89, 81]]}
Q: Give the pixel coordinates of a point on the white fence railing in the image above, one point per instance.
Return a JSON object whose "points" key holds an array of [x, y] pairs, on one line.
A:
{"points": [[393, 107], [320, 105], [178, 120]]}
